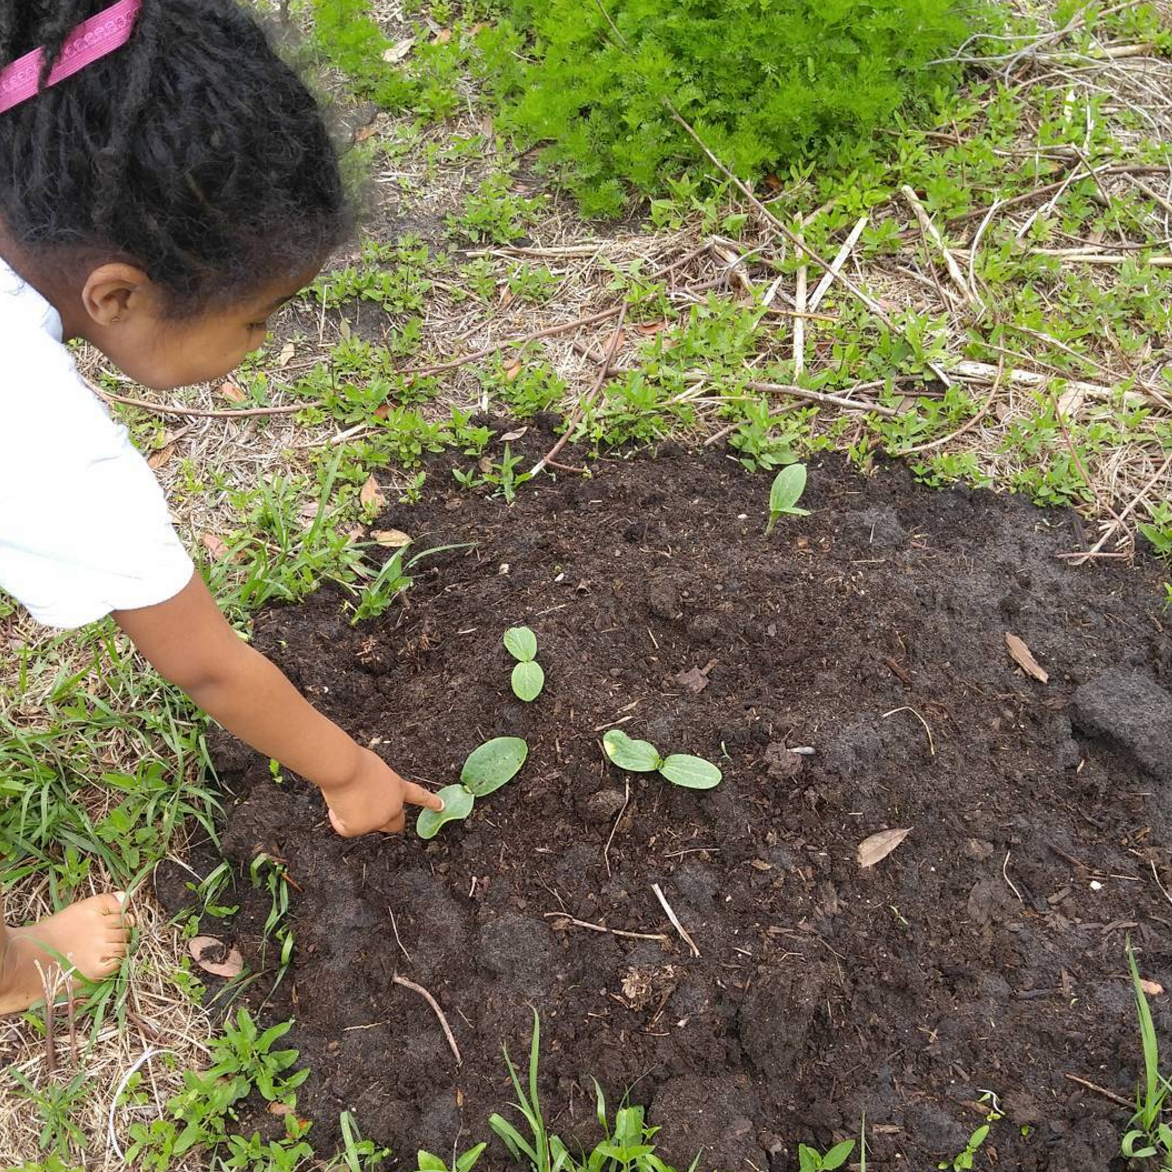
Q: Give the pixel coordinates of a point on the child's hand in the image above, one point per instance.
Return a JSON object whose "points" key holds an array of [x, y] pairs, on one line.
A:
{"points": [[375, 799]]}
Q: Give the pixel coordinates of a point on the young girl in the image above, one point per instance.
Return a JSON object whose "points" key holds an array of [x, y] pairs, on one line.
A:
{"points": [[166, 184]]}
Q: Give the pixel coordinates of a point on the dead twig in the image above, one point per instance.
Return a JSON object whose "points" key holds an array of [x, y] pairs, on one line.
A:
{"points": [[1005, 876], [614, 828], [968, 426], [1094, 1086], [1113, 528], [589, 397], [836, 264], [203, 412], [932, 236], [395, 929], [570, 921], [908, 708], [675, 923], [436, 1009]]}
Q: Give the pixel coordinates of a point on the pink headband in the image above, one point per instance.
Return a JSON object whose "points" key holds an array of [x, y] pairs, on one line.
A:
{"points": [[89, 42]]}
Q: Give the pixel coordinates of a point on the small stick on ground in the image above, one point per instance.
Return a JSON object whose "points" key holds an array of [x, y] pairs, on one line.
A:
{"points": [[614, 828], [569, 921], [800, 305], [906, 708], [202, 412], [1005, 876], [504, 344], [1094, 1086], [1156, 876], [836, 264], [436, 1009], [590, 396], [934, 237], [1080, 559], [395, 929], [675, 923]]}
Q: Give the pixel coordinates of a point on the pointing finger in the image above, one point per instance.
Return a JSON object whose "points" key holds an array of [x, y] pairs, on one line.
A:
{"points": [[418, 796]]}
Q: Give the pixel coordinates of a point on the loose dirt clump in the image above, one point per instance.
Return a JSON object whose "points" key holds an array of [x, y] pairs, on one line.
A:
{"points": [[986, 952]]}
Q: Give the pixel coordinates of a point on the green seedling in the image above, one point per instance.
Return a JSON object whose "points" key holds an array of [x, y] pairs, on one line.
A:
{"points": [[1148, 1135], [788, 486], [643, 757], [528, 675], [492, 765], [812, 1160]]}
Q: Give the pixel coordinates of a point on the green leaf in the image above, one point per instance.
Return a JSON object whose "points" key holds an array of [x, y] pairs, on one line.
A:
{"points": [[493, 764], [690, 772], [458, 804], [521, 644], [426, 1162], [469, 1159], [837, 1156], [528, 680], [637, 756], [788, 486]]}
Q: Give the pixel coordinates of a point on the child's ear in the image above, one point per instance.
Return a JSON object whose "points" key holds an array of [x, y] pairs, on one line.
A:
{"points": [[114, 292]]}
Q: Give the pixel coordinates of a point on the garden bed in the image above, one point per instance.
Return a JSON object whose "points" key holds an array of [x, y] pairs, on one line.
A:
{"points": [[987, 952]]}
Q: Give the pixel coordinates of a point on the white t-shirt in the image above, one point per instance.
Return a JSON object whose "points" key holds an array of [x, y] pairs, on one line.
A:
{"points": [[84, 526]]}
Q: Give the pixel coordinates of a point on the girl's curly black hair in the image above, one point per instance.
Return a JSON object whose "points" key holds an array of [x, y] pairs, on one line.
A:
{"points": [[193, 151]]}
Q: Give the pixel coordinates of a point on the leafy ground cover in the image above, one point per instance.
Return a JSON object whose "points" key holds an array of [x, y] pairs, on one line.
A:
{"points": [[1000, 318]]}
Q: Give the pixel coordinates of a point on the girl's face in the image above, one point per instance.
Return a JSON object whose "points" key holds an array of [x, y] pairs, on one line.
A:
{"points": [[122, 314]]}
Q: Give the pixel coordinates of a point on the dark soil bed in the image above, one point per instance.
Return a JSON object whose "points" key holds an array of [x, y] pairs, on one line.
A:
{"points": [[985, 953]]}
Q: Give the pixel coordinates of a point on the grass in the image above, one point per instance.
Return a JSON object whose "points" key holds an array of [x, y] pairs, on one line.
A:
{"points": [[1059, 389]]}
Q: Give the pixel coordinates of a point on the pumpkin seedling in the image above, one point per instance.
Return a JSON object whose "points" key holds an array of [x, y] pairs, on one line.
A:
{"points": [[528, 676], [492, 765], [788, 486], [643, 757]]}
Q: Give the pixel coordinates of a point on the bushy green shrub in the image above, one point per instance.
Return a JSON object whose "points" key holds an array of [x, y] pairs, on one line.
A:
{"points": [[766, 82]]}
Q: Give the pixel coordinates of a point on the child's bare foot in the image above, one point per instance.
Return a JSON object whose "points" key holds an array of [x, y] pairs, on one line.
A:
{"points": [[92, 935]]}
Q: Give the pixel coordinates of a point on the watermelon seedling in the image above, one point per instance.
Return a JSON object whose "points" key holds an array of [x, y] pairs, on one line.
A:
{"points": [[488, 767], [643, 757], [528, 675]]}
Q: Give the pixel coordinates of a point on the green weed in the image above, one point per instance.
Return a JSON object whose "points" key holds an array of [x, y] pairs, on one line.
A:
{"points": [[494, 214], [1149, 1136], [769, 85]]}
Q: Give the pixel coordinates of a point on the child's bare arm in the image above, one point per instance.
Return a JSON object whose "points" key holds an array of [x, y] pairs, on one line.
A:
{"points": [[189, 642]]}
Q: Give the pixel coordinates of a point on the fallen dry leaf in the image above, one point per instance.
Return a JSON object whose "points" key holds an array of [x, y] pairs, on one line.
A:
{"points": [[382, 411], [443, 36], [398, 50], [513, 369], [370, 496], [1151, 988], [512, 436], [695, 680], [232, 392], [288, 351], [215, 957], [876, 848], [390, 538], [1024, 658], [157, 459], [308, 512], [215, 546], [363, 133], [652, 327], [280, 1109]]}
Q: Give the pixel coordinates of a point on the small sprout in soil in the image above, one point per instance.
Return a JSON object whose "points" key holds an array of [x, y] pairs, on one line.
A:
{"points": [[812, 1160], [528, 676], [458, 804], [643, 757], [492, 765], [788, 486]]}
